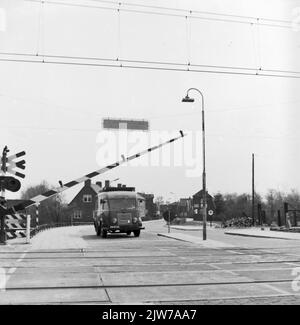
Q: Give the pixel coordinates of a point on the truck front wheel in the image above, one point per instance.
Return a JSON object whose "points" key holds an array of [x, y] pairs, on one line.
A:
{"points": [[137, 233], [98, 230], [103, 233]]}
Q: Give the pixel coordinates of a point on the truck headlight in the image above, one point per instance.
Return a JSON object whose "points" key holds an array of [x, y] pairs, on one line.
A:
{"points": [[134, 220]]}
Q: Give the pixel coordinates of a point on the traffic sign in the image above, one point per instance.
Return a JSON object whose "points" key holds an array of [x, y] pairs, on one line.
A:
{"points": [[9, 165], [138, 125], [210, 212]]}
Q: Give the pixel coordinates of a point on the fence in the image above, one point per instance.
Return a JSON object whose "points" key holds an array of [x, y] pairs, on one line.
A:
{"points": [[19, 225], [40, 228]]}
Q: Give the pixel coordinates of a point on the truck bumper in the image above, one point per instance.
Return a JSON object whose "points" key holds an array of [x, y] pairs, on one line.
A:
{"points": [[123, 228]]}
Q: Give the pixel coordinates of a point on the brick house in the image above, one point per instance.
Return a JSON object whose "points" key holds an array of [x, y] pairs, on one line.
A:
{"points": [[197, 204], [82, 207]]}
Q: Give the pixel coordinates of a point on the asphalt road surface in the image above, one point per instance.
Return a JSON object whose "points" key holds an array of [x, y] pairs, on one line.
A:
{"points": [[71, 265]]}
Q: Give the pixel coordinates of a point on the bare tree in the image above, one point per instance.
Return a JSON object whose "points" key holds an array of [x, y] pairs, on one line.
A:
{"points": [[51, 209]]}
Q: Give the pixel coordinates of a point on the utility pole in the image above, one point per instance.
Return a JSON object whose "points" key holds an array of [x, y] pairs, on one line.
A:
{"points": [[253, 192]]}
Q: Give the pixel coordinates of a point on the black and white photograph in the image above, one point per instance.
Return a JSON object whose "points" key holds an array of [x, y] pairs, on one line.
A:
{"points": [[149, 155]]}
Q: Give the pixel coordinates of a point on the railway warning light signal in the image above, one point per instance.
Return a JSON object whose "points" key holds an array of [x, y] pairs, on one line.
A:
{"points": [[9, 164], [2, 201], [10, 183]]}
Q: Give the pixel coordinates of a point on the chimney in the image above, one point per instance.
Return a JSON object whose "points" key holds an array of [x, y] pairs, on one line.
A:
{"points": [[119, 185], [88, 183], [99, 184], [124, 186], [106, 183]]}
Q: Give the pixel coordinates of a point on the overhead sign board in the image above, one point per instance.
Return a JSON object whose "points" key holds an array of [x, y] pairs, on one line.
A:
{"points": [[121, 124]]}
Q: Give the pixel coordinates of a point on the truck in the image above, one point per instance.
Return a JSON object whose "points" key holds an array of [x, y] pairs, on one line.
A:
{"points": [[118, 210]]}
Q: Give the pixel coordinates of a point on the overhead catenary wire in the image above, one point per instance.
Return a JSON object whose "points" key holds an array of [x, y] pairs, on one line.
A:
{"points": [[119, 41], [188, 10], [183, 15], [150, 65], [40, 29], [89, 58], [176, 66], [188, 39]]}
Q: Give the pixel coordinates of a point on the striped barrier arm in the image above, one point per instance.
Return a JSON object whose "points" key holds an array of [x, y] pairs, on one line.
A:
{"points": [[39, 198]]}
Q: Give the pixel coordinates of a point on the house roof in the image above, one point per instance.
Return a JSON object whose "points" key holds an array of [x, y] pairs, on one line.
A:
{"points": [[200, 194], [96, 188], [140, 197]]}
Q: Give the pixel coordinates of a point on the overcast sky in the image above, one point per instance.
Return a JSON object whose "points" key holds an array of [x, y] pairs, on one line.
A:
{"points": [[54, 112]]}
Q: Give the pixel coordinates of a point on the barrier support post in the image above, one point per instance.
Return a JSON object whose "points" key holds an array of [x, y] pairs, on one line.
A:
{"points": [[28, 219]]}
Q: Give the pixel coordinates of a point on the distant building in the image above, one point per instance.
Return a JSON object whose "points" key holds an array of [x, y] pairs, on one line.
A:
{"points": [[185, 208], [150, 206], [142, 206], [82, 207], [181, 208], [197, 205]]}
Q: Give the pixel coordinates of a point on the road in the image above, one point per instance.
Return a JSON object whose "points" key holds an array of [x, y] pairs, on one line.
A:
{"points": [[72, 265]]}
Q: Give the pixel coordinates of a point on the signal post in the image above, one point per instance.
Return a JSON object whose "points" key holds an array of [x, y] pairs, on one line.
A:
{"points": [[8, 183]]}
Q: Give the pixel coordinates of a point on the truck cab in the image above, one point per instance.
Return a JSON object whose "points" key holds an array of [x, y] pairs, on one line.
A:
{"points": [[118, 211]]}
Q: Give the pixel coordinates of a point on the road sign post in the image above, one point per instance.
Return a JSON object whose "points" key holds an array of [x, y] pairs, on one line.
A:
{"points": [[210, 213], [28, 221]]}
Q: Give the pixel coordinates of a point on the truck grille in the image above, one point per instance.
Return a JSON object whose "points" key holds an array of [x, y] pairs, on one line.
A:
{"points": [[124, 218]]}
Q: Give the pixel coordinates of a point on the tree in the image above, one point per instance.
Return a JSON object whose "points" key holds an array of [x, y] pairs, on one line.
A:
{"points": [[274, 202], [50, 210], [159, 200], [220, 206], [293, 199]]}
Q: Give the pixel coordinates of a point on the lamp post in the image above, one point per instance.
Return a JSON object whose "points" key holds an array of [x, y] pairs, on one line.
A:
{"points": [[169, 210], [188, 99]]}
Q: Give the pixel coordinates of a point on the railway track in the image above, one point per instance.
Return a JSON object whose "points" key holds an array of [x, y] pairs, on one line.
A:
{"points": [[156, 271]]}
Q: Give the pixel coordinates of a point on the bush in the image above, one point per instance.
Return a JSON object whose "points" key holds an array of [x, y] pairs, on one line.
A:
{"points": [[240, 222]]}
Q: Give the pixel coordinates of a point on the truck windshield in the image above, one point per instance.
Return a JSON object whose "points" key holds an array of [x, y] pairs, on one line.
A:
{"points": [[122, 203]]}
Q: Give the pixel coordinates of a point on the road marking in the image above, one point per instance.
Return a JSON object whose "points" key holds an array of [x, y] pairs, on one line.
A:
{"points": [[22, 257], [12, 270]]}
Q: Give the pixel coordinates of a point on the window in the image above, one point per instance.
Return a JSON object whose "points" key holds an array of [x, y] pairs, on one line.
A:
{"points": [[103, 204], [87, 198], [122, 203], [77, 214]]}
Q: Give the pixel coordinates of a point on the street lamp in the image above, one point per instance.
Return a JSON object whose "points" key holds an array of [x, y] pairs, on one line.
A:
{"points": [[188, 99]]}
